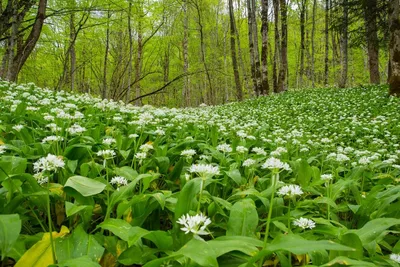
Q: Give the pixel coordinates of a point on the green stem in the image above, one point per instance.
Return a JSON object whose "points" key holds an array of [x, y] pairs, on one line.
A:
{"points": [[274, 182], [37, 218], [53, 251], [328, 195], [201, 194], [289, 231]]}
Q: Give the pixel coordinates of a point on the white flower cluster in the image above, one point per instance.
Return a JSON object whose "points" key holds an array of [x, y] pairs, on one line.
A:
{"points": [[48, 163], [188, 153], [76, 129], [304, 223], [204, 170], [225, 148], [106, 154], [2, 149], [395, 257], [109, 141], [18, 127], [119, 181], [290, 190], [52, 138], [249, 163], [275, 164], [194, 224], [326, 177]]}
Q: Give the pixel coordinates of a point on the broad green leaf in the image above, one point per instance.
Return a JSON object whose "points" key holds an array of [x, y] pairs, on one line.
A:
{"points": [[10, 227], [71, 209], [298, 245], [124, 230], [372, 229], [243, 219], [206, 258], [225, 244], [187, 198], [353, 241], [127, 172], [348, 262], [235, 176], [162, 164], [40, 255], [85, 186], [79, 262]]}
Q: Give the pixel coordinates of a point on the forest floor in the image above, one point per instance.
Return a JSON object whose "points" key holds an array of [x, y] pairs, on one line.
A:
{"points": [[309, 177]]}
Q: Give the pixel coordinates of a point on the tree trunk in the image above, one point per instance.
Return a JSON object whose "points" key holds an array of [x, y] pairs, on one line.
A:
{"points": [[138, 62], [258, 73], [239, 92], [104, 91], [344, 45], [282, 81], [72, 52], [313, 44], [326, 76], [12, 42], [186, 84], [303, 7], [128, 92], [370, 13], [253, 47], [394, 47], [264, 46], [28, 46], [277, 45]]}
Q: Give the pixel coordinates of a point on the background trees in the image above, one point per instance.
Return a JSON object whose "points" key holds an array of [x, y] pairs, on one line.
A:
{"points": [[183, 53]]}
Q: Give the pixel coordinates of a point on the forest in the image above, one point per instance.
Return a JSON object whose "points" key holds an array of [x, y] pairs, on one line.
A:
{"points": [[199, 133], [178, 54]]}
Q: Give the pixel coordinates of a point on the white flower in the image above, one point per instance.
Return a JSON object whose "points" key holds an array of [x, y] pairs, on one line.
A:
{"points": [[188, 153], [395, 257], [204, 170], [249, 162], [18, 127], [225, 148], [53, 127], [119, 181], [109, 141], [159, 131], [40, 178], [326, 177], [259, 151], [304, 223], [107, 154], [241, 149], [146, 147], [195, 224], [364, 161], [133, 136], [290, 190], [49, 163], [275, 164], [52, 138], [76, 129], [141, 155], [48, 118], [2, 149]]}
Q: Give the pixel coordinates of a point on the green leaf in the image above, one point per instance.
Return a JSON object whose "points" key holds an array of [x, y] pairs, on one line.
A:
{"points": [[207, 257], [298, 245], [353, 241], [71, 209], [176, 172], [235, 176], [372, 229], [124, 230], [126, 172], [85, 186], [162, 164], [243, 219], [348, 262], [225, 244], [187, 198], [79, 262], [10, 227]]}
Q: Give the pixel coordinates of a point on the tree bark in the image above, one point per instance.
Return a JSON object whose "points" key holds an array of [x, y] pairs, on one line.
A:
{"points": [[72, 39], [264, 46], [326, 76], [104, 91], [344, 45], [313, 44], [303, 6], [253, 47], [238, 84], [186, 83], [394, 47], [276, 45], [30, 43], [282, 80], [128, 92], [370, 13]]}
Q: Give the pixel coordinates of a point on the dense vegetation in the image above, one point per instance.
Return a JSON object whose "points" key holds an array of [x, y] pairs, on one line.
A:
{"points": [[302, 178]]}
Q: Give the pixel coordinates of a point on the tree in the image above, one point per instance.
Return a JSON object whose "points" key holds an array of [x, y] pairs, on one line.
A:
{"points": [[253, 47], [344, 45], [264, 46], [394, 47], [232, 27], [282, 80], [370, 16]]}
